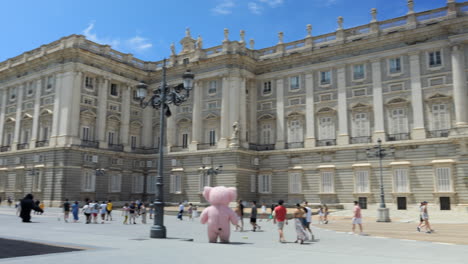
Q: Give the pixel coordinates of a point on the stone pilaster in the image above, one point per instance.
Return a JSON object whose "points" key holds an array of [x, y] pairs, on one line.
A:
{"points": [[75, 109], [101, 119], [343, 136], [310, 111], [234, 108], [125, 118], [148, 127], [171, 132], [197, 120], [253, 136], [243, 112], [37, 109], [66, 95], [379, 124], [416, 98], [56, 115], [459, 86], [225, 126], [19, 115], [3, 96], [280, 139]]}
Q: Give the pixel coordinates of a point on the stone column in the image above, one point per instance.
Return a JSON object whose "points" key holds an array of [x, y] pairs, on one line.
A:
{"points": [[56, 115], [3, 95], [66, 108], [148, 127], [19, 112], [416, 98], [125, 119], [379, 121], [280, 140], [343, 136], [197, 120], [234, 108], [459, 86], [171, 132], [253, 136], [225, 102], [101, 118], [37, 109], [310, 111], [243, 113], [74, 120]]}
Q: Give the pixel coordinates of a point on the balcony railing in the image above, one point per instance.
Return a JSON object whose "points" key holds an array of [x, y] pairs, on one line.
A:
{"points": [[4, 148], [293, 145], [22, 146], [361, 140], [326, 142], [116, 147], [204, 146], [438, 133], [145, 150], [397, 137], [42, 143], [261, 147], [89, 144], [179, 148]]}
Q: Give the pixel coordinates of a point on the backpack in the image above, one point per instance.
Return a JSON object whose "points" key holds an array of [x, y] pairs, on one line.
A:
{"points": [[96, 206]]}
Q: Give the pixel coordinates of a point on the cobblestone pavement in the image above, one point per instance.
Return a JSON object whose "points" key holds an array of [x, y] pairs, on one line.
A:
{"points": [[114, 242]]}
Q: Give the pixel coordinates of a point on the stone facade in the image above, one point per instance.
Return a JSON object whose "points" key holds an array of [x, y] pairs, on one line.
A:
{"points": [[292, 121]]}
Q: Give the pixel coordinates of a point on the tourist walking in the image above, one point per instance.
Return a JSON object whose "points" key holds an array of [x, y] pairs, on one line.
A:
{"points": [[264, 211], [320, 214], [125, 213], [241, 209], [87, 210], [239, 215], [272, 210], [132, 212], [181, 211], [75, 208], [280, 219], [299, 216], [424, 215], [9, 201], [66, 210], [325, 214], [357, 217], [103, 211], [27, 204], [253, 217], [190, 211], [143, 213], [194, 211], [109, 210], [308, 218]]}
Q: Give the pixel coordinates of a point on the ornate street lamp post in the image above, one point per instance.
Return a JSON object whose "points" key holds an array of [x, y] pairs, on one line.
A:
{"points": [[161, 98], [380, 152]]}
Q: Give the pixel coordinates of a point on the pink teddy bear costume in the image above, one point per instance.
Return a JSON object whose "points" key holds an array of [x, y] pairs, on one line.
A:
{"points": [[218, 215]]}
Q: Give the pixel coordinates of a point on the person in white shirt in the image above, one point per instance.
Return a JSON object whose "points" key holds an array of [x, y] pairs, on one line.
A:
{"points": [[103, 211], [308, 219], [181, 211], [87, 211]]}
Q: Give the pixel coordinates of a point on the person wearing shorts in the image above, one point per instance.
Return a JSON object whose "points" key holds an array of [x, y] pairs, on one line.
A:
{"points": [[357, 217], [109, 210], [253, 216], [280, 219], [66, 210]]}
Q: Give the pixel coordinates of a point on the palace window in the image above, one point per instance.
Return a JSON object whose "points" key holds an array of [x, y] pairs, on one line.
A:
{"points": [[264, 183], [85, 133], [176, 183], [440, 117], [89, 181], [295, 131], [361, 126], [205, 180], [253, 183], [50, 83], [443, 179], [399, 121], [266, 133], [326, 128], [266, 87], [151, 184], [295, 182], [358, 72], [327, 181], [212, 137], [111, 138], [325, 77], [138, 183], [394, 65], [212, 87], [133, 142], [26, 135], [115, 182], [89, 82], [114, 89], [185, 137], [400, 180], [435, 59], [362, 181], [37, 180], [294, 83]]}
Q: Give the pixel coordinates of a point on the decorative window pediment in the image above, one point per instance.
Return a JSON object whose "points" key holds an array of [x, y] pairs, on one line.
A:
{"points": [[438, 97], [46, 112], [266, 117], [395, 102], [361, 107], [326, 110], [211, 117]]}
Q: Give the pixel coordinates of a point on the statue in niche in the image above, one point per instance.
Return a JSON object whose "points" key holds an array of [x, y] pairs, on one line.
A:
{"points": [[235, 130]]}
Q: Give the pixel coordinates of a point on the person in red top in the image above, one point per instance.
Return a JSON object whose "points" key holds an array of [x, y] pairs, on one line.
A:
{"points": [[280, 219], [357, 217]]}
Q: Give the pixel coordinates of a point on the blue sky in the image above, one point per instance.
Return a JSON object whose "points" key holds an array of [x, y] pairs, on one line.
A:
{"points": [[147, 28]]}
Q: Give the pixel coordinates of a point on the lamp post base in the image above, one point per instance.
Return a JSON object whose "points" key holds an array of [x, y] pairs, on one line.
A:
{"points": [[383, 215], [158, 231]]}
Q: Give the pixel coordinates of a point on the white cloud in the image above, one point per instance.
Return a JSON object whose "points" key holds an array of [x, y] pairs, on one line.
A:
{"points": [[254, 8], [93, 37], [224, 8], [273, 3], [135, 44], [139, 44]]}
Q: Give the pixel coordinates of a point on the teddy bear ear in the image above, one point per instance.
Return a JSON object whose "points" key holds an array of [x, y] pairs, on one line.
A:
{"points": [[206, 192], [232, 193]]}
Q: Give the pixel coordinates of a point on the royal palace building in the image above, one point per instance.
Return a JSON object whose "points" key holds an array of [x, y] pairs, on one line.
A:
{"points": [[292, 121]]}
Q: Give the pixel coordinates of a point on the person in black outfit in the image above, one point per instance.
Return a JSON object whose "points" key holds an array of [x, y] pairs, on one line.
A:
{"points": [[27, 204]]}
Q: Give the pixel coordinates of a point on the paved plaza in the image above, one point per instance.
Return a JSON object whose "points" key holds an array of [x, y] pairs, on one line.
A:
{"points": [[114, 242]]}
